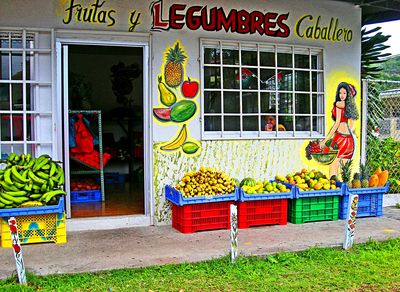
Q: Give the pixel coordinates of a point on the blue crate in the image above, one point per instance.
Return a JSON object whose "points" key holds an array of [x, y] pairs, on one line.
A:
{"points": [[175, 196], [34, 210], [370, 201], [113, 178], [243, 197], [85, 196]]}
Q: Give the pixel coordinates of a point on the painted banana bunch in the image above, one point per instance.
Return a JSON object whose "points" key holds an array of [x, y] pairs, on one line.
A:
{"points": [[180, 140], [28, 182]]}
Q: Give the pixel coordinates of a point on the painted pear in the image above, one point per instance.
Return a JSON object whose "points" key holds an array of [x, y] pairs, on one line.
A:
{"points": [[167, 97]]}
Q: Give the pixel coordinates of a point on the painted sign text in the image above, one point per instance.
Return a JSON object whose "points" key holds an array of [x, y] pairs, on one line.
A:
{"points": [[216, 19], [308, 27]]}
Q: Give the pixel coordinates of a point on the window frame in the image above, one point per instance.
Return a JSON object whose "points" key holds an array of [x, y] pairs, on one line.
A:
{"points": [[319, 115], [40, 54]]}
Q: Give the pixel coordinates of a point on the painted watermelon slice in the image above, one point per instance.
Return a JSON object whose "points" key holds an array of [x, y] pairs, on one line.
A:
{"points": [[162, 114]]}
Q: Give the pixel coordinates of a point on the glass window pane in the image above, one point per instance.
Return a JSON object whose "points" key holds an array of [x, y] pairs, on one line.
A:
{"points": [[212, 77], [302, 103], [29, 62], [317, 82], [231, 102], [4, 68], [212, 56], [285, 103], [285, 60], [29, 127], [4, 96], [16, 66], [249, 78], [286, 122], [268, 122], [212, 123], [31, 149], [5, 127], [267, 79], [212, 102], [303, 124], [250, 123], [231, 123], [4, 43], [302, 61], [285, 80], [16, 43], [249, 58], [318, 124], [314, 62], [230, 57], [18, 132], [5, 150], [267, 59], [250, 102], [231, 78], [317, 104], [267, 101], [16, 90], [302, 81]]}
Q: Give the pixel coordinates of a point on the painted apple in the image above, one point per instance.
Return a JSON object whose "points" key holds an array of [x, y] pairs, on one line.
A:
{"points": [[190, 88]]}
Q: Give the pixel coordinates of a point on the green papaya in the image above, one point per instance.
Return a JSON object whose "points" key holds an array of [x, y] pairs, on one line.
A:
{"points": [[190, 147], [167, 97]]}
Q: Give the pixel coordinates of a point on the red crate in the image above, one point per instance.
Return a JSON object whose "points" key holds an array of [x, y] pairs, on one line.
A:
{"points": [[262, 212], [196, 217]]}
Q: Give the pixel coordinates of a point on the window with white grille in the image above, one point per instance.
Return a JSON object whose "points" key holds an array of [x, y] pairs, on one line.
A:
{"points": [[26, 90], [258, 90]]}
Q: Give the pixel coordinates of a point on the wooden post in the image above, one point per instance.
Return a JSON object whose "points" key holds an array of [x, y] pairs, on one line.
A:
{"points": [[19, 261], [350, 221], [234, 241]]}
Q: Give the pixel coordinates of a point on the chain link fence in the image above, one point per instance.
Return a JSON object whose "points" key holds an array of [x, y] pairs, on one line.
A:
{"points": [[381, 128]]}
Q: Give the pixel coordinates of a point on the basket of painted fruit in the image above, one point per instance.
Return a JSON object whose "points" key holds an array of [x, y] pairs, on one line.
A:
{"points": [[323, 155]]}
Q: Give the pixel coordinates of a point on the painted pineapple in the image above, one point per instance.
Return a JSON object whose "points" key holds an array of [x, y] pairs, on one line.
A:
{"points": [[356, 182], [364, 175], [173, 71], [346, 170]]}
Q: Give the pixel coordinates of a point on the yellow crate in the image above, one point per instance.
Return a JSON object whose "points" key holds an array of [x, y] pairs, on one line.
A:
{"points": [[36, 229]]}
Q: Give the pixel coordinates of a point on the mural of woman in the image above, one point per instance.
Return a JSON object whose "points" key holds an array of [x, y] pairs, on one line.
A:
{"points": [[344, 112]]}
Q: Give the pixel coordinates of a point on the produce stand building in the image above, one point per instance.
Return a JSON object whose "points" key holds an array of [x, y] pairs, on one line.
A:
{"points": [[164, 87]]}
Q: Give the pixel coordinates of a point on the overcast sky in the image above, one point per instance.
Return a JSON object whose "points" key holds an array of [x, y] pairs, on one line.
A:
{"points": [[390, 28]]}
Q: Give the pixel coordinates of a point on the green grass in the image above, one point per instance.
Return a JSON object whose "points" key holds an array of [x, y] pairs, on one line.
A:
{"points": [[373, 266]]}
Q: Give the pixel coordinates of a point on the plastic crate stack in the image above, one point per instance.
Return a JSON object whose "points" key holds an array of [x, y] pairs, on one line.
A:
{"points": [[263, 209], [35, 224], [310, 206], [370, 201], [200, 213]]}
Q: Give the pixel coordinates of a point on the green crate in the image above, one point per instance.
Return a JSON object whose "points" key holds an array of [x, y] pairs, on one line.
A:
{"points": [[313, 209]]}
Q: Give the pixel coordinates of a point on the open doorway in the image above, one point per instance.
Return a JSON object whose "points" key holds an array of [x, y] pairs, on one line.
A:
{"points": [[105, 114]]}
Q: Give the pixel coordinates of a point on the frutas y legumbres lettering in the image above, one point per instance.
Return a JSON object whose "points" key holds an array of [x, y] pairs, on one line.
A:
{"points": [[92, 13], [215, 19], [309, 28]]}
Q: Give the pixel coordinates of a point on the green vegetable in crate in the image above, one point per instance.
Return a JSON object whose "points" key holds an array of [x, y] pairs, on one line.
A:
{"points": [[26, 180], [248, 181]]}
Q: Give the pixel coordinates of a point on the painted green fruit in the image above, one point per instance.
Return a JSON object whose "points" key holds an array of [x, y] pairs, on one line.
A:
{"points": [[182, 111], [167, 97], [190, 147]]}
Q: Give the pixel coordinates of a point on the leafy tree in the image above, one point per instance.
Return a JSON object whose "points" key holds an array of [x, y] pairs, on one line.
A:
{"points": [[372, 46]]}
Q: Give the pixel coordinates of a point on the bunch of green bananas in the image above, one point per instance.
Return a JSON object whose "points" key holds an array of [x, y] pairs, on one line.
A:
{"points": [[27, 181]]}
